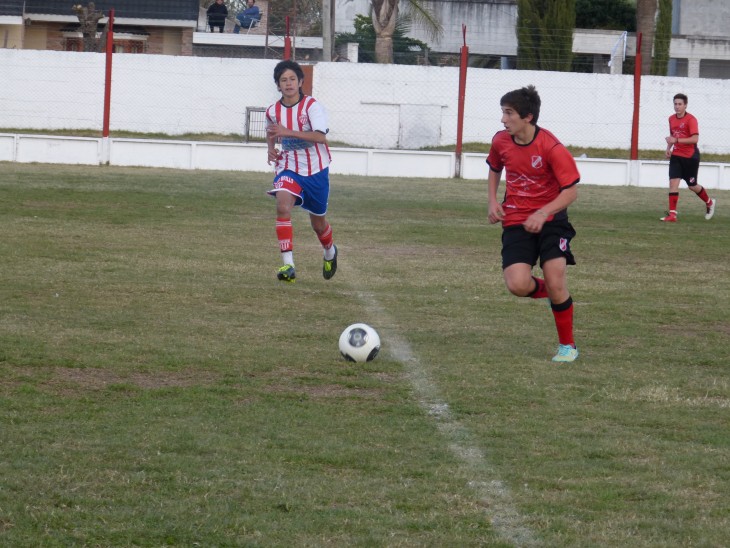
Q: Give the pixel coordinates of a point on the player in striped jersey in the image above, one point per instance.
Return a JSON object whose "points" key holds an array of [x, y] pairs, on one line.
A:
{"points": [[298, 124], [542, 180]]}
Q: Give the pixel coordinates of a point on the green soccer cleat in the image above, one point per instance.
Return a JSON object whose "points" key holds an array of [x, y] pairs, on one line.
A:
{"points": [[566, 353], [330, 267], [287, 274]]}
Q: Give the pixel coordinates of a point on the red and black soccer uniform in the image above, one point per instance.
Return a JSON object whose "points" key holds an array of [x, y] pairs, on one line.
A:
{"points": [[685, 160], [536, 173], [684, 163]]}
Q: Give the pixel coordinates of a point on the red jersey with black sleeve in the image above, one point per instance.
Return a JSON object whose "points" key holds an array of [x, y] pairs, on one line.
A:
{"points": [[535, 173], [686, 126]]}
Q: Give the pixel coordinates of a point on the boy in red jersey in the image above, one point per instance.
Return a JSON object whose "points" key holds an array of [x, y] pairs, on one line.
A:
{"points": [[684, 158], [299, 124], [541, 180]]}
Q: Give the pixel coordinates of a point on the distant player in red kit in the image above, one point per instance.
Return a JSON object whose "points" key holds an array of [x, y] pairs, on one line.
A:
{"points": [[298, 123], [684, 158], [541, 180]]}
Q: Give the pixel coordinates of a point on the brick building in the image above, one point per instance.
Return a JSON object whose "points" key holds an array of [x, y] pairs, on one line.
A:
{"points": [[161, 27]]}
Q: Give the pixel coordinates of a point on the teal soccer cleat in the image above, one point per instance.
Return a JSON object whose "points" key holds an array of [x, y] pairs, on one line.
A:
{"points": [[566, 353]]}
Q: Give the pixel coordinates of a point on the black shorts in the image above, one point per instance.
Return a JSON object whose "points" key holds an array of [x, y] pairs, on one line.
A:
{"points": [[685, 168], [520, 246]]}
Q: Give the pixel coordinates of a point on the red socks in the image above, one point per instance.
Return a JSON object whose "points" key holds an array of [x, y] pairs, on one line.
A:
{"points": [[285, 234], [703, 196], [673, 199], [539, 292], [563, 314], [326, 237]]}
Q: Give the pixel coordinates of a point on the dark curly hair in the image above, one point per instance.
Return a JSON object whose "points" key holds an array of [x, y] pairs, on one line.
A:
{"points": [[288, 65], [525, 101]]}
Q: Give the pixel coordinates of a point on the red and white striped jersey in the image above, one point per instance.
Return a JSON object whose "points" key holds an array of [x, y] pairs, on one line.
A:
{"points": [[302, 157]]}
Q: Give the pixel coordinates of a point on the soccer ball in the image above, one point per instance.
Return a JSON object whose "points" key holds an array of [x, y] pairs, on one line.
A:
{"points": [[359, 343]]}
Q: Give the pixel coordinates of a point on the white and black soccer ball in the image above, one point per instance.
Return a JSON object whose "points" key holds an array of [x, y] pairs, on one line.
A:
{"points": [[359, 343]]}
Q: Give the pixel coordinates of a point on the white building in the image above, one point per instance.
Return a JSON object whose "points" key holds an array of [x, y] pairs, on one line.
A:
{"points": [[700, 44]]}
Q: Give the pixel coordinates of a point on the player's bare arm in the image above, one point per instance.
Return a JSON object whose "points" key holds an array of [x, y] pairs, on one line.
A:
{"points": [[273, 152], [535, 222], [496, 213], [691, 140], [278, 131]]}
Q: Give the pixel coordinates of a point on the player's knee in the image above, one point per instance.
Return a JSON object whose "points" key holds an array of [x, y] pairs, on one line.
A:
{"points": [[520, 288]]}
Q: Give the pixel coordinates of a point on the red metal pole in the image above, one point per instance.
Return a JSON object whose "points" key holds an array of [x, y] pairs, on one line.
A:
{"points": [[462, 99], [108, 75], [637, 102], [287, 41]]}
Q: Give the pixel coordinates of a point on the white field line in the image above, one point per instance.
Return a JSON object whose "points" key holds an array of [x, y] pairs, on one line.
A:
{"points": [[490, 490]]}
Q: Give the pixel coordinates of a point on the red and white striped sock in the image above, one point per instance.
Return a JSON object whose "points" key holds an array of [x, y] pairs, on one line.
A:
{"points": [[327, 241], [285, 235]]}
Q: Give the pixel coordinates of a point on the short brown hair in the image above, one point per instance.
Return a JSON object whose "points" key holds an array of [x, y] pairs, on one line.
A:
{"points": [[525, 101]]}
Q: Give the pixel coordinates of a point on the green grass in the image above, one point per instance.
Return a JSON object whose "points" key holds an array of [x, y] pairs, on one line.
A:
{"points": [[159, 387]]}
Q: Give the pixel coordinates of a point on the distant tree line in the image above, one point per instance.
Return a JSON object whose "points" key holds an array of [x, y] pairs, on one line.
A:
{"points": [[545, 30]]}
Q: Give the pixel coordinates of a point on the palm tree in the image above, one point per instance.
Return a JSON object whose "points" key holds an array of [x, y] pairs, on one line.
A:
{"points": [[385, 16], [646, 25]]}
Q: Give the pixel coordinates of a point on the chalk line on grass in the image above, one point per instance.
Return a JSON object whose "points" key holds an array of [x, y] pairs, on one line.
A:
{"points": [[504, 517]]}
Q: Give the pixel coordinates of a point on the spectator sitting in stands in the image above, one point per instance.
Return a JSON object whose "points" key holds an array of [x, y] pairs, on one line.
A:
{"points": [[217, 14], [248, 17]]}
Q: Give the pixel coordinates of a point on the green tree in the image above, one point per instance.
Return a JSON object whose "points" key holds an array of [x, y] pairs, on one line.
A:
{"points": [[406, 51], [646, 25], [385, 16], [530, 28], [662, 39], [545, 34], [557, 44], [605, 14]]}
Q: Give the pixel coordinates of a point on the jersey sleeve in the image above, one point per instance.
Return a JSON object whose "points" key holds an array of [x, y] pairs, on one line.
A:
{"points": [[694, 126], [318, 117], [494, 159], [270, 116], [564, 167]]}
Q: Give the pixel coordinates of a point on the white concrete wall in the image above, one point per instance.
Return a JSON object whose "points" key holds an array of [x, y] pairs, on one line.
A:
{"points": [[370, 106], [346, 161]]}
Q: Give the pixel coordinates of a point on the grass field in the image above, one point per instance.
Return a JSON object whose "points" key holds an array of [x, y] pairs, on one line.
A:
{"points": [[159, 387]]}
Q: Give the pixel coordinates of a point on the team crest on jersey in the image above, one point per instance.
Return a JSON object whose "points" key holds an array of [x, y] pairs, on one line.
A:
{"points": [[563, 244], [303, 119], [537, 162]]}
